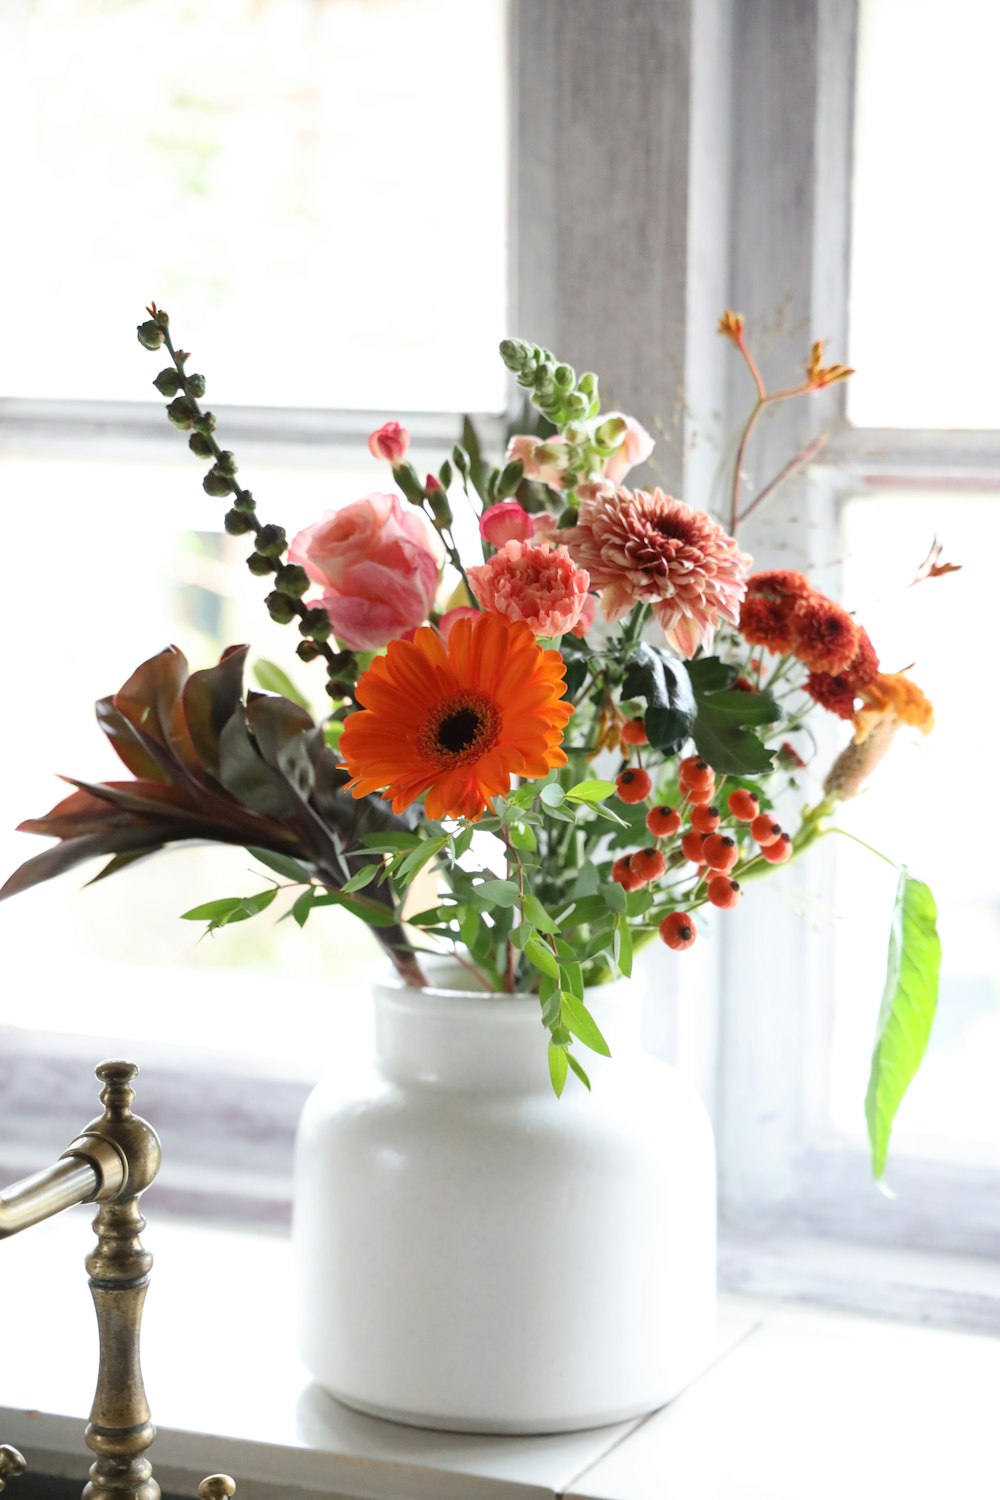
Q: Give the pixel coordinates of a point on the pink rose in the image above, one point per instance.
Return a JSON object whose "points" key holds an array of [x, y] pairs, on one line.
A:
{"points": [[635, 448], [544, 460], [539, 585], [587, 614], [506, 522], [378, 566], [390, 442]]}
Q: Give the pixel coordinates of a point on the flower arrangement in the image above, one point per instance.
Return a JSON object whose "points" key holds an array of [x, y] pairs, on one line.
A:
{"points": [[593, 733]]}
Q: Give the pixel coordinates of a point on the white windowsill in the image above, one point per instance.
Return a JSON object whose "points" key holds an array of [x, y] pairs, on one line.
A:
{"points": [[798, 1400]]}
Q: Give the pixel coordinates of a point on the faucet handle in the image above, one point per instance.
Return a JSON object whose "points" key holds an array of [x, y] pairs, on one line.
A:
{"points": [[217, 1487], [11, 1464]]}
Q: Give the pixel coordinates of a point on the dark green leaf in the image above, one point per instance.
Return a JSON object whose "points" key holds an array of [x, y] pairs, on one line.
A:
{"points": [[273, 679], [363, 877], [909, 1002], [304, 905], [662, 680], [709, 674], [281, 864]]}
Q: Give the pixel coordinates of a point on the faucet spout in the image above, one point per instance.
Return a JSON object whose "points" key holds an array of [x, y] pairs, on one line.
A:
{"points": [[71, 1180]]}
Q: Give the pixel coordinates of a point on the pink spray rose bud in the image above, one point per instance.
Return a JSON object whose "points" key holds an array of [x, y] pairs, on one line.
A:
{"points": [[379, 568], [448, 621], [587, 614], [506, 522], [390, 442], [635, 448], [539, 585], [544, 461], [544, 527]]}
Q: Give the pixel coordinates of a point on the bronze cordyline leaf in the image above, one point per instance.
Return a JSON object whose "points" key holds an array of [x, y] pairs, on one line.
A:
{"points": [[208, 765]]}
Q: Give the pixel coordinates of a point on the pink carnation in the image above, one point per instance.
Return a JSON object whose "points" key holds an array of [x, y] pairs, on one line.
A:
{"points": [[506, 522], [390, 442], [378, 565], [647, 548], [544, 460], [538, 585]]}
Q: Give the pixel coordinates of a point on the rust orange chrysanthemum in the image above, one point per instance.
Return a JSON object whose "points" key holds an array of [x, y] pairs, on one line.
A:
{"points": [[457, 719]]}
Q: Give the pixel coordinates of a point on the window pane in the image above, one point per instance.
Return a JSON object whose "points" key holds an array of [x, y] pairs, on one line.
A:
{"points": [[930, 808], [130, 564], [316, 191], [925, 319]]}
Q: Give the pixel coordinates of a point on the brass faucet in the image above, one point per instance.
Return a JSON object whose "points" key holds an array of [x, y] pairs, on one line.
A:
{"points": [[110, 1163]]}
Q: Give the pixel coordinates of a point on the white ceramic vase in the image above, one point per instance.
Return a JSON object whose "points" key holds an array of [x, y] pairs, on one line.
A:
{"points": [[477, 1255]]}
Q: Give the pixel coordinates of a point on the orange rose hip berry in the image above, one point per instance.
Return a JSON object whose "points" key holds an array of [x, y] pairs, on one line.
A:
{"points": [[663, 821], [693, 846], [678, 930], [647, 865], [744, 805], [720, 852], [764, 829], [623, 874], [723, 892], [779, 851], [634, 785], [705, 819], [634, 733]]}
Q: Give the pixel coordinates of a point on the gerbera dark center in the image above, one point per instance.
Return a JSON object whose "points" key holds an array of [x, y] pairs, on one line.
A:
{"points": [[461, 729], [458, 730]]}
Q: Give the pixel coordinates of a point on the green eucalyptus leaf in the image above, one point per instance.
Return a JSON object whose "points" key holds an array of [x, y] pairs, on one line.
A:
{"points": [[909, 1002], [536, 914], [496, 892], [552, 794], [591, 791], [558, 1068], [577, 1019], [579, 1070], [540, 956], [622, 946], [614, 897]]}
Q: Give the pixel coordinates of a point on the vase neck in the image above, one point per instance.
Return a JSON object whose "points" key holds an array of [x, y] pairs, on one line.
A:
{"points": [[465, 1040]]}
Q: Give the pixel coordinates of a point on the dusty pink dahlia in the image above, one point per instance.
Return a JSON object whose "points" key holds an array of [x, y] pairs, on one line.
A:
{"points": [[539, 585], [643, 547]]}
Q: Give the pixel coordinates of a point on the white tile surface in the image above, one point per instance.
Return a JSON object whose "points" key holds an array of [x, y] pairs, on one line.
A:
{"points": [[225, 1386], [822, 1406]]}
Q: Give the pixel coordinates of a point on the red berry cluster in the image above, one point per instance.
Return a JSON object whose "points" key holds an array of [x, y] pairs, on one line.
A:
{"points": [[711, 847]]}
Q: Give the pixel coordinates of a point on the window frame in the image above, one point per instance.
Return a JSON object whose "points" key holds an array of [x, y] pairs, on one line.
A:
{"points": [[724, 129]]}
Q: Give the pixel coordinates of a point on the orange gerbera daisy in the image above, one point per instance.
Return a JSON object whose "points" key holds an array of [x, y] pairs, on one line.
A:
{"points": [[457, 719]]}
